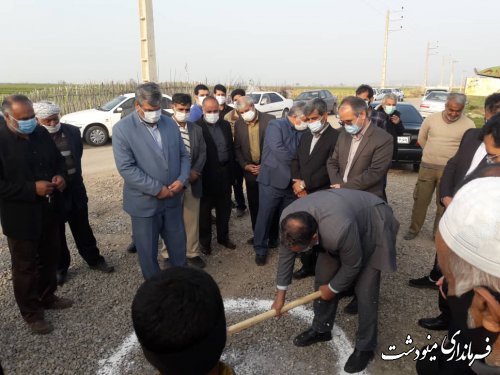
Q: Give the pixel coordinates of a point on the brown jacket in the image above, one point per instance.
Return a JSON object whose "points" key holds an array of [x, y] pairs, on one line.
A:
{"points": [[370, 163]]}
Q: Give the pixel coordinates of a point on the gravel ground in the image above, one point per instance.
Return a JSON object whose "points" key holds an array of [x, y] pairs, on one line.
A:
{"points": [[99, 322]]}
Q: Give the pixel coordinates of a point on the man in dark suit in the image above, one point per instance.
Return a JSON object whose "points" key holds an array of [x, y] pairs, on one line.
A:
{"points": [[275, 181], [218, 176], [151, 157], [249, 131], [363, 153], [357, 231], [192, 135], [32, 176], [68, 141], [309, 173], [471, 156]]}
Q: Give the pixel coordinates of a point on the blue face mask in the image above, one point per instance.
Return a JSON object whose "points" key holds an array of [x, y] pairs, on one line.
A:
{"points": [[352, 129], [26, 126]]}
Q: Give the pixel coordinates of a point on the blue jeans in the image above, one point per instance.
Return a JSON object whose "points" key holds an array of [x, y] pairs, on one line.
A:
{"points": [[170, 226]]}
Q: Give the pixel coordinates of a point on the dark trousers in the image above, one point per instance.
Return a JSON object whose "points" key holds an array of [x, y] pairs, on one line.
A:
{"points": [[222, 204], [78, 220], [253, 206], [367, 288], [435, 273], [272, 202], [239, 197], [34, 265], [309, 259], [443, 303]]}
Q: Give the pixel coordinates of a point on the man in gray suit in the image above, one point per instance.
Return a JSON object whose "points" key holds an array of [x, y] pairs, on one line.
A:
{"points": [[363, 153], [362, 244], [151, 157], [192, 135]]}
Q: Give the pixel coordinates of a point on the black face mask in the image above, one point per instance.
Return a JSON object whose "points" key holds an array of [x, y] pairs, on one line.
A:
{"points": [[459, 307]]}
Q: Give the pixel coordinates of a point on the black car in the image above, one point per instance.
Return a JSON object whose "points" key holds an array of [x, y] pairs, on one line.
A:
{"points": [[409, 150]]}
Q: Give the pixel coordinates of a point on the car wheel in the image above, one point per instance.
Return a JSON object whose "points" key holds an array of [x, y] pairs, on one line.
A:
{"points": [[416, 167], [334, 109], [96, 135], [285, 113]]}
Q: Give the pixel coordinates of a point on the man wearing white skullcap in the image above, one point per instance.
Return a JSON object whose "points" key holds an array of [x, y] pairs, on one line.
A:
{"points": [[69, 142], [468, 250]]}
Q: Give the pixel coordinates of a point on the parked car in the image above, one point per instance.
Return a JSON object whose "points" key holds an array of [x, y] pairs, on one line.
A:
{"points": [[429, 90], [96, 125], [433, 102], [409, 150], [326, 95], [378, 94], [271, 102]]}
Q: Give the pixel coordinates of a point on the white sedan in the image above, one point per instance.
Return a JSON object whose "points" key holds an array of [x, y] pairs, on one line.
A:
{"points": [[96, 125], [271, 102]]}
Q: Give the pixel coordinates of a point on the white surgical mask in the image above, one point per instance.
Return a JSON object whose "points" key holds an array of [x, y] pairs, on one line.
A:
{"points": [[315, 126], [221, 99], [53, 129], [389, 109], [152, 117], [211, 118], [201, 99], [248, 116], [301, 127], [181, 116]]}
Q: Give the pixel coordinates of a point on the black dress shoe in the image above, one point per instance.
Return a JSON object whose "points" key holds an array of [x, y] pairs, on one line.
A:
{"points": [[250, 241], [206, 250], [103, 266], [260, 260], [273, 244], [301, 274], [197, 262], [423, 282], [440, 323], [228, 244], [352, 307], [358, 361], [61, 277], [310, 337], [131, 248]]}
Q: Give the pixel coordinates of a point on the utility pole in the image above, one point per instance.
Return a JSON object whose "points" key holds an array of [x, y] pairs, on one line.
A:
{"points": [[441, 78], [452, 67], [386, 42], [148, 52], [426, 68]]}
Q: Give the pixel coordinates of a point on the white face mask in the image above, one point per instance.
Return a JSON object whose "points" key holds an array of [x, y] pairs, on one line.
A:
{"points": [[221, 99], [389, 109], [201, 99], [211, 118], [301, 127], [152, 117], [248, 116], [315, 126], [181, 116], [53, 129]]}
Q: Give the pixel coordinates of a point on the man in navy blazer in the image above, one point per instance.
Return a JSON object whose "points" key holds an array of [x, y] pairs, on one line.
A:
{"points": [[155, 165], [68, 141], [275, 189]]}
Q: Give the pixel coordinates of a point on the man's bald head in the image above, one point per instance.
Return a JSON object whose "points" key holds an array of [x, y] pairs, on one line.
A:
{"points": [[298, 231]]}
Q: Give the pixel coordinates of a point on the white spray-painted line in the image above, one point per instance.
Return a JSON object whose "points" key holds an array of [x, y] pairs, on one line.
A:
{"points": [[340, 344]]}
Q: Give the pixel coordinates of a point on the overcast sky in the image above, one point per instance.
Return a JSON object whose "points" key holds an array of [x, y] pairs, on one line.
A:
{"points": [[313, 42]]}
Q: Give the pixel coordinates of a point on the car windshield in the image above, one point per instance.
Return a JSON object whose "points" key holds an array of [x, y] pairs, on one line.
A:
{"points": [[386, 91], [255, 97], [112, 103], [437, 96], [409, 114], [308, 95]]}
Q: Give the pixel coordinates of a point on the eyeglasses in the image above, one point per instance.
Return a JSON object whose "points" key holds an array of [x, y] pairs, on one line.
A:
{"points": [[490, 159], [343, 123]]}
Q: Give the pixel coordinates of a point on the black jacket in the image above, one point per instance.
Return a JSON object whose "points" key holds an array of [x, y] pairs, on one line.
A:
{"points": [[458, 165], [215, 177], [391, 128], [21, 210], [312, 168]]}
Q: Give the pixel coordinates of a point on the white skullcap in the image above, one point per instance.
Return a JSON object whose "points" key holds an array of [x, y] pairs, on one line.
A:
{"points": [[46, 109], [470, 225]]}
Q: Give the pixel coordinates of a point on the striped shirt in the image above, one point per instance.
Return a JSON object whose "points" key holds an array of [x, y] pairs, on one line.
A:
{"points": [[185, 136]]}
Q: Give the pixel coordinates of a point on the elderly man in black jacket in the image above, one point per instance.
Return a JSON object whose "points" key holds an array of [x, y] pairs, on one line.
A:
{"points": [[309, 172], [32, 177], [68, 141]]}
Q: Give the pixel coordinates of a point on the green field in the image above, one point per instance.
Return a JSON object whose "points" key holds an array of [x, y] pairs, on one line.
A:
{"points": [[23, 88]]}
